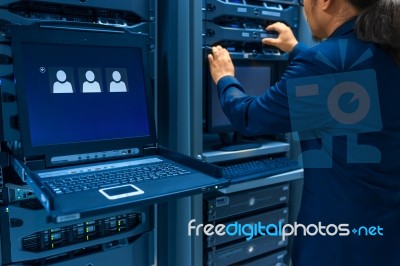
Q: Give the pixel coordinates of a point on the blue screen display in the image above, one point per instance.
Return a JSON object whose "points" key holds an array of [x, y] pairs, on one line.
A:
{"points": [[78, 93]]}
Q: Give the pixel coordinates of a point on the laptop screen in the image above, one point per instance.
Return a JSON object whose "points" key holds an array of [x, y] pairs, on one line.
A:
{"points": [[81, 91]]}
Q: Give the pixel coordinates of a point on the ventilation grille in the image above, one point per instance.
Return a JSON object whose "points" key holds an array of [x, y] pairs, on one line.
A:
{"points": [[52, 11]]}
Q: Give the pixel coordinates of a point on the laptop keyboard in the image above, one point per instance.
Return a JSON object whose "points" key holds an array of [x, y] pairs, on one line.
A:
{"points": [[115, 177]]}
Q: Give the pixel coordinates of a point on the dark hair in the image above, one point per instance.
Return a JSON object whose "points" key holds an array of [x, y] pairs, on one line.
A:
{"points": [[379, 22]]}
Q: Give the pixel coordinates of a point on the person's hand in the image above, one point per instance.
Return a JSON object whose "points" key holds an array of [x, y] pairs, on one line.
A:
{"points": [[220, 63], [285, 41]]}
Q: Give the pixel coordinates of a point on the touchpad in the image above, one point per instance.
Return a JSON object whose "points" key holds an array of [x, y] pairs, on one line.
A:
{"points": [[122, 191]]}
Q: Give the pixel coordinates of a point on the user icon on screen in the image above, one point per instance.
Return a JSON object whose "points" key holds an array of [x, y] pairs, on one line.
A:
{"points": [[62, 85], [117, 85], [90, 85]]}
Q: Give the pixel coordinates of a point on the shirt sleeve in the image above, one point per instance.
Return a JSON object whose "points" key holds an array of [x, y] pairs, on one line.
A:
{"points": [[251, 115], [300, 47], [268, 113]]}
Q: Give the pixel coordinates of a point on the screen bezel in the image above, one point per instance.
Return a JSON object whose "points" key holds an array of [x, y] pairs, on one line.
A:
{"points": [[67, 35], [274, 66]]}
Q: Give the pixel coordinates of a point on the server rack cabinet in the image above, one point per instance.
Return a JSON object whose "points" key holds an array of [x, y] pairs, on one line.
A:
{"points": [[134, 16], [182, 34]]}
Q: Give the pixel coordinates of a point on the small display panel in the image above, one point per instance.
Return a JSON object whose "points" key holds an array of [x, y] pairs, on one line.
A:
{"points": [[256, 79]]}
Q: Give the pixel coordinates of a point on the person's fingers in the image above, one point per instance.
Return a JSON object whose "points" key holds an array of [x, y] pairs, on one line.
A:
{"points": [[277, 26], [226, 54], [271, 27], [215, 52], [270, 41], [220, 53], [210, 58]]}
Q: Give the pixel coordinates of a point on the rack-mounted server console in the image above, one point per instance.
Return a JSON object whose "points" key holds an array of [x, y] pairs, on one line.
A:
{"points": [[26, 235]]}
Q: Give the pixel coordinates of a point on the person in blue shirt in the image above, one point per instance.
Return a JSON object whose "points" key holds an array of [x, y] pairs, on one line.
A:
{"points": [[342, 98]]}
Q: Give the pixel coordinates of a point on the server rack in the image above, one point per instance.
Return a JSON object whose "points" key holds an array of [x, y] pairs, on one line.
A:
{"points": [[243, 210], [26, 237], [182, 35], [240, 26]]}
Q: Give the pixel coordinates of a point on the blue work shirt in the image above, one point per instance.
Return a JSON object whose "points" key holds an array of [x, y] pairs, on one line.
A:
{"points": [[350, 190]]}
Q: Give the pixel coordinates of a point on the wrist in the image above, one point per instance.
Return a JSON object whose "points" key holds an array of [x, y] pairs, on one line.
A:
{"points": [[222, 76], [292, 46]]}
